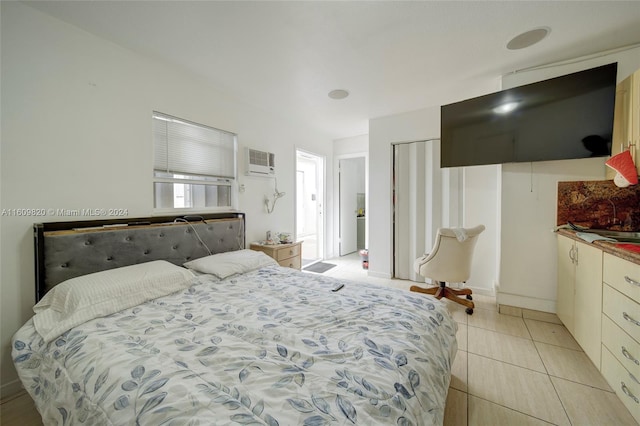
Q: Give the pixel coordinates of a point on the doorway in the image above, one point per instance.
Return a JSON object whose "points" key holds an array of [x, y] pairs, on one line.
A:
{"points": [[352, 204], [310, 205]]}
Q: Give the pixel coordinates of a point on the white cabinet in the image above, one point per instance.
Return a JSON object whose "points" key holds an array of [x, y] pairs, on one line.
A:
{"points": [[626, 120], [579, 298], [566, 282], [599, 303], [588, 300], [621, 330]]}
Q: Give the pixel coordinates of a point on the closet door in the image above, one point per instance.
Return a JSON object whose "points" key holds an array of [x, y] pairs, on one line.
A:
{"points": [[416, 203]]}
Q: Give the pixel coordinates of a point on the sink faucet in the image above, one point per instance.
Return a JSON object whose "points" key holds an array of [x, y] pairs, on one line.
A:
{"points": [[615, 217]]}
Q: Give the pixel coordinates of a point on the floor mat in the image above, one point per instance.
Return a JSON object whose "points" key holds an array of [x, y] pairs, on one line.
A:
{"points": [[319, 267]]}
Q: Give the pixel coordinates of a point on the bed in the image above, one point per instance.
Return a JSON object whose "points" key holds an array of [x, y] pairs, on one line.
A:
{"points": [[239, 340]]}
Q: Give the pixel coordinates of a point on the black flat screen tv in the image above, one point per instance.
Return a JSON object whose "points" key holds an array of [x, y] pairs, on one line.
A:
{"points": [[561, 118]]}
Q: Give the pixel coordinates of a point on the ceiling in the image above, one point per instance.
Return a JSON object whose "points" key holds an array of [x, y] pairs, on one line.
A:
{"points": [[391, 56]]}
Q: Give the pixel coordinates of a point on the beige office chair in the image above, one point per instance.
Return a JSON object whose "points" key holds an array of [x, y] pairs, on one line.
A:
{"points": [[449, 262]]}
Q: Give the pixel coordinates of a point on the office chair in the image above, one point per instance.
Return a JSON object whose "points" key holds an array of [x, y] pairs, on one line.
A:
{"points": [[449, 262]]}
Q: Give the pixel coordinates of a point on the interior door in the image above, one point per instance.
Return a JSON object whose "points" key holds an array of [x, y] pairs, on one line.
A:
{"points": [[416, 205], [349, 183], [309, 204]]}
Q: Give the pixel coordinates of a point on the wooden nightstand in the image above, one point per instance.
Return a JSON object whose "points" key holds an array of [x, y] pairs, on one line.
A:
{"points": [[288, 255]]}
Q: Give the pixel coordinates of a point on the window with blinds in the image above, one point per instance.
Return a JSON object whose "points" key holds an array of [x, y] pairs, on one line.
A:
{"points": [[194, 165]]}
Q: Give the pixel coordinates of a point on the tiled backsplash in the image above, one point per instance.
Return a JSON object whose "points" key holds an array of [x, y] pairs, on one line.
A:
{"points": [[599, 205]]}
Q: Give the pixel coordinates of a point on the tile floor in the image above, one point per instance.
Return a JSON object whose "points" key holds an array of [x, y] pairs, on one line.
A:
{"points": [[517, 367]]}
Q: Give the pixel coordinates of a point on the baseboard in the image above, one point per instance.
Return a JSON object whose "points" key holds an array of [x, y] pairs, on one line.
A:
{"points": [[482, 291], [476, 290], [542, 305], [378, 274], [11, 388]]}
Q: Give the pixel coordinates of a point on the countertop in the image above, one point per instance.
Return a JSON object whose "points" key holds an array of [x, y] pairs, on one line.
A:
{"points": [[607, 247]]}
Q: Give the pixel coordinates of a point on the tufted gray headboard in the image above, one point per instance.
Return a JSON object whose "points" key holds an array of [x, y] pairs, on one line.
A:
{"points": [[66, 250]]}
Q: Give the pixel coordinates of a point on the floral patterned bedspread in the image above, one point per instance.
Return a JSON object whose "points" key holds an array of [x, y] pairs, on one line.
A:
{"points": [[270, 347]]}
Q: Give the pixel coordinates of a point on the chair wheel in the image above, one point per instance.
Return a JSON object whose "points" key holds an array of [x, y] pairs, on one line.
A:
{"points": [[469, 297], [469, 311]]}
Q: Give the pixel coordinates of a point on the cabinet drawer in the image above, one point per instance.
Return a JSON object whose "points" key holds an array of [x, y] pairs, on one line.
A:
{"points": [[623, 347], [292, 262], [622, 275], [287, 252], [622, 310], [625, 386]]}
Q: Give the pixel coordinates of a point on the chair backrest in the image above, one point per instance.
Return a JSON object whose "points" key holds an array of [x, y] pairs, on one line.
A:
{"points": [[451, 255]]}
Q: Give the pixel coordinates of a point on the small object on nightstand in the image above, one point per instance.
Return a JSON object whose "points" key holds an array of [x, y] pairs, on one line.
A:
{"points": [[284, 237]]}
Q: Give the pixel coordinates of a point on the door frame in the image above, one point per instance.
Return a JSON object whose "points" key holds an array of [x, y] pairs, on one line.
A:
{"points": [[321, 216], [336, 196]]}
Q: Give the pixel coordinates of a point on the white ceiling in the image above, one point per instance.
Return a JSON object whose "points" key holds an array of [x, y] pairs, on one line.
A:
{"points": [[391, 56]]}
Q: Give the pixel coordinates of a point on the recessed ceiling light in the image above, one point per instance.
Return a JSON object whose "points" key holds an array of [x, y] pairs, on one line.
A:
{"points": [[338, 94], [528, 38]]}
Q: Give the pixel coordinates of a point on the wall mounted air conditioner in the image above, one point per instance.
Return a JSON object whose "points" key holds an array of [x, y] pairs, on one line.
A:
{"points": [[260, 163]]}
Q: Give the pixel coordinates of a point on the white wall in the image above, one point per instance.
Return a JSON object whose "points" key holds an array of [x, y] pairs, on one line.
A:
{"points": [[516, 202], [481, 205], [352, 145], [383, 132], [76, 133], [528, 263], [468, 198]]}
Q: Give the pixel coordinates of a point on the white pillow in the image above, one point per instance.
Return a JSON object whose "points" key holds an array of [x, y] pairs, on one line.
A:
{"points": [[84, 298], [223, 265]]}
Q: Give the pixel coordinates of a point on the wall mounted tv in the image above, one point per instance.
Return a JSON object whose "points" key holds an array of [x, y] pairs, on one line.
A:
{"points": [[561, 118]]}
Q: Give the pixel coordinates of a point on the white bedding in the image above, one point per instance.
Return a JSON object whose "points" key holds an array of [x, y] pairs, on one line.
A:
{"points": [[273, 346], [224, 265], [83, 298]]}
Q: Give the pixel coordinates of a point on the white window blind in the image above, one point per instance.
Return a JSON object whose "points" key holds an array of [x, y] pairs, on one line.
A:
{"points": [[193, 149], [194, 165]]}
